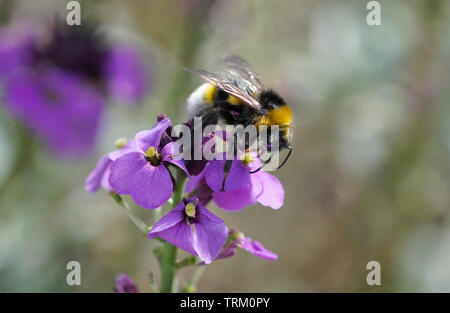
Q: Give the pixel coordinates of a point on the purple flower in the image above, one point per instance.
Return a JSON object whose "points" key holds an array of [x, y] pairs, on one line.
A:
{"points": [[127, 74], [54, 82], [100, 174], [124, 284], [238, 240], [258, 187], [191, 227], [85, 51], [57, 106], [143, 172]]}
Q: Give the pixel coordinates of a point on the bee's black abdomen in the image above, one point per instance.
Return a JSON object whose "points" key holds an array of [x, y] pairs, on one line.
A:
{"points": [[220, 96]]}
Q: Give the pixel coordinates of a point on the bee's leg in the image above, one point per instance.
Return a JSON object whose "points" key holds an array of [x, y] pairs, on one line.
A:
{"points": [[229, 162], [260, 168], [226, 170]]}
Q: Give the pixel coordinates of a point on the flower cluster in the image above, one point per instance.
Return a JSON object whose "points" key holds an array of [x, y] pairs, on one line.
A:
{"points": [[57, 81], [148, 168]]}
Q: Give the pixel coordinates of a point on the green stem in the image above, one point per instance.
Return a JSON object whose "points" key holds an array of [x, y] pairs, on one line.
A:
{"points": [[169, 253], [143, 227], [187, 262], [196, 275], [168, 267], [23, 158]]}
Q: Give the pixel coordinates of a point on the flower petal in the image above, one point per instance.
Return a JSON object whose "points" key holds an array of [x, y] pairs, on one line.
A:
{"points": [[237, 176], [273, 193], [105, 180], [167, 221], [203, 192], [123, 171], [94, 180], [15, 50], [174, 229], [131, 146], [151, 137], [257, 249], [127, 74], [210, 234], [194, 181], [151, 186], [171, 154], [226, 252], [235, 200]]}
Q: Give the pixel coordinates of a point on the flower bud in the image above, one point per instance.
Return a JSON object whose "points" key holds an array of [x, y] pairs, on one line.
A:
{"points": [[120, 142], [238, 234]]}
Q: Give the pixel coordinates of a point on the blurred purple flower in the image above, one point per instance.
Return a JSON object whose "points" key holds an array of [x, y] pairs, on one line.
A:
{"points": [[15, 51], [127, 75], [124, 284], [57, 106], [51, 83], [143, 173], [191, 227]]}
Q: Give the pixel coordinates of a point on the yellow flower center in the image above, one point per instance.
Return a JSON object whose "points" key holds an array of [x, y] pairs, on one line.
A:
{"points": [[247, 159], [153, 155], [190, 209]]}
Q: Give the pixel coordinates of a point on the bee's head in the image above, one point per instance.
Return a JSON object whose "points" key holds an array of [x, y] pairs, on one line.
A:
{"points": [[277, 113], [285, 144], [270, 100], [285, 138]]}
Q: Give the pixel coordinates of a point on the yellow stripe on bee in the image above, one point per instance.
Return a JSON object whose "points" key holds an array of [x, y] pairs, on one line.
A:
{"points": [[286, 129], [233, 100], [208, 96], [280, 116]]}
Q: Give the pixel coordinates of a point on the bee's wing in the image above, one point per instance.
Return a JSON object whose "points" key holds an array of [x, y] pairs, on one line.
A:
{"points": [[231, 83], [243, 69]]}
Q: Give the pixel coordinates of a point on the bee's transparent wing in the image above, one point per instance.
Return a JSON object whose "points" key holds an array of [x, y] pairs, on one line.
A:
{"points": [[243, 69], [232, 82]]}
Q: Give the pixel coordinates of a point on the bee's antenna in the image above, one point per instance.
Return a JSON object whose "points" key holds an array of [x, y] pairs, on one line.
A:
{"points": [[259, 168], [268, 160], [287, 158]]}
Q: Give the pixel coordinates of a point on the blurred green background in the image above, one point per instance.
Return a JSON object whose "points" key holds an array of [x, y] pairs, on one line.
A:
{"points": [[369, 178]]}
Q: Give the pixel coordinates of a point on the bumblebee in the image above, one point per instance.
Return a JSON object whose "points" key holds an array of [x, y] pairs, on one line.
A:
{"points": [[238, 96]]}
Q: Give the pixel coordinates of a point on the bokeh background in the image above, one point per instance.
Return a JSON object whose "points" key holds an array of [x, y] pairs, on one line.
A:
{"points": [[369, 178]]}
